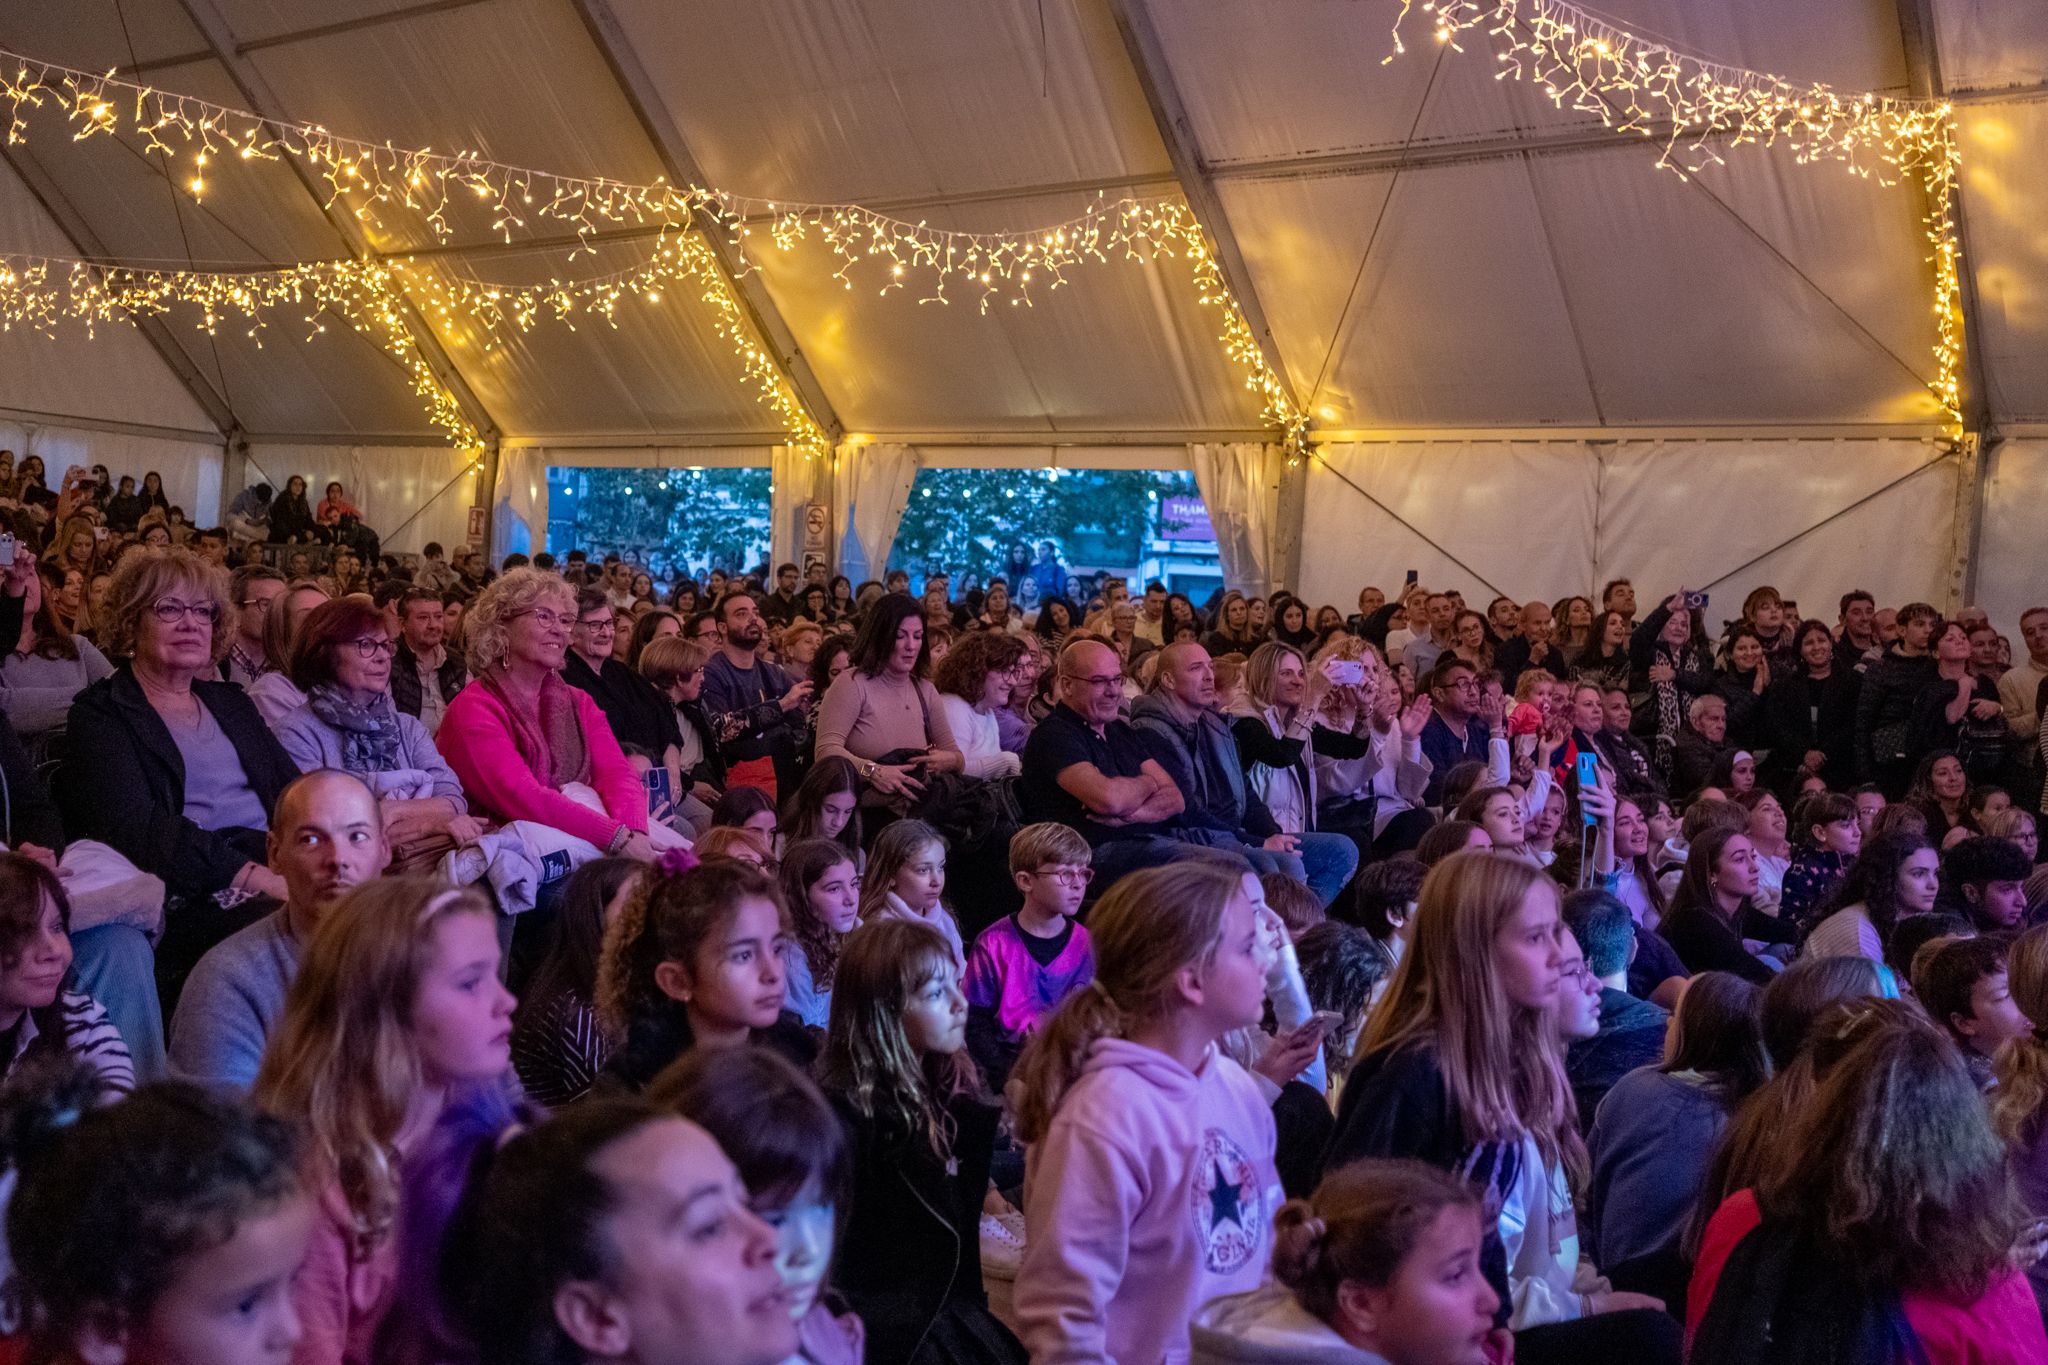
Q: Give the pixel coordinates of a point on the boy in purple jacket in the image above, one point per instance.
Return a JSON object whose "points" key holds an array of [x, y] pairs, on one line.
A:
{"points": [[1024, 964]]}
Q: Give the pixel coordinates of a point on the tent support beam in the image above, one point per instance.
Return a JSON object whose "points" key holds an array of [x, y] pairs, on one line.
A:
{"points": [[1923, 78], [1148, 62], [659, 123], [256, 91], [1918, 37], [154, 330], [361, 21]]}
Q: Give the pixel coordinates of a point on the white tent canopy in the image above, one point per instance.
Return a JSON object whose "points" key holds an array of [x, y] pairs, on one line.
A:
{"points": [[1536, 360]]}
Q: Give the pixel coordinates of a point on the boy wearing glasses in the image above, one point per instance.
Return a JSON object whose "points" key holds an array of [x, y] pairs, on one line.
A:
{"points": [[1025, 964]]}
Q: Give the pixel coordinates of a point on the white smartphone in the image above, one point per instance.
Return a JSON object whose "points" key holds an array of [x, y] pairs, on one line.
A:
{"points": [[6, 551], [1345, 672]]}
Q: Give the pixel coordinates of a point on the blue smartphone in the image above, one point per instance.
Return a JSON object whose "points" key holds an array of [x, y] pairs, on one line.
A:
{"points": [[1589, 777]]}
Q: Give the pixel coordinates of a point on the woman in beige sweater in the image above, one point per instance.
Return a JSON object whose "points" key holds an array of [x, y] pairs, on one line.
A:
{"points": [[882, 705]]}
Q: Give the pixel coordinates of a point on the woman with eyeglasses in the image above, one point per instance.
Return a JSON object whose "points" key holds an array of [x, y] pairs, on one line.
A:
{"points": [[341, 659], [518, 735], [171, 766]]}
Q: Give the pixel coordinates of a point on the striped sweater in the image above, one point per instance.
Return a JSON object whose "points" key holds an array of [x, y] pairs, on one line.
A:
{"points": [[88, 1034]]}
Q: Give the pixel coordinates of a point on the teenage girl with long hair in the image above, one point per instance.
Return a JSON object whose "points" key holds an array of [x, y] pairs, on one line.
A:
{"points": [[396, 1011], [1150, 1186], [897, 1070], [557, 1046], [1461, 1066], [826, 806]]}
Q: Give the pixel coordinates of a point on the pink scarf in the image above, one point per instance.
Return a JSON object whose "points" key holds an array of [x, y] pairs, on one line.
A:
{"points": [[554, 751]]}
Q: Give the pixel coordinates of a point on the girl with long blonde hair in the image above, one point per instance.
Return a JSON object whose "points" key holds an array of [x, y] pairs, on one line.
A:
{"points": [[1461, 1065], [396, 1012], [1149, 1185]]}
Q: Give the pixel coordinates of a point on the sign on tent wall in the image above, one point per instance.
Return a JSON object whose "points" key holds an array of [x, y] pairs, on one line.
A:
{"points": [[1553, 518]]}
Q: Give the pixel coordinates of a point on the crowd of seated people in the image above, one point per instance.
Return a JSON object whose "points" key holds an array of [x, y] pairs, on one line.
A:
{"points": [[546, 963]]}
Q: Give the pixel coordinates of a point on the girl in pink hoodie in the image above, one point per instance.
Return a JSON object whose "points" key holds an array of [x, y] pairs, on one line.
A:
{"points": [[1150, 1186]]}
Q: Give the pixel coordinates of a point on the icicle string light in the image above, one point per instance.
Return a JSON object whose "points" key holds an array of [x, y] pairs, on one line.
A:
{"points": [[1635, 85], [1580, 61]]}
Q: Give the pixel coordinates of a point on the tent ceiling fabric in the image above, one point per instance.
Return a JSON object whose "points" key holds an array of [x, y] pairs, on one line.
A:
{"points": [[1572, 287]]}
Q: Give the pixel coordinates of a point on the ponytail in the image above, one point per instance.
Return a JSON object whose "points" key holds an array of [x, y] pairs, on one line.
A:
{"points": [[1361, 1223], [2022, 1064], [1145, 931]]}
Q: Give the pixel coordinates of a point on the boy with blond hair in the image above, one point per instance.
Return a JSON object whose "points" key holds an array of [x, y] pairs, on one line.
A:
{"points": [[1025, 964]]}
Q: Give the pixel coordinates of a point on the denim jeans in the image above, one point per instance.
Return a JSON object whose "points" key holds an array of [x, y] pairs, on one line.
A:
{"points": [[114, 964], [1324, 861]]}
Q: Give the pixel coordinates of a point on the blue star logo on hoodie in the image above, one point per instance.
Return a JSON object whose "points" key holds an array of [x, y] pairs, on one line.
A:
{"points": [[1227, 1203]]}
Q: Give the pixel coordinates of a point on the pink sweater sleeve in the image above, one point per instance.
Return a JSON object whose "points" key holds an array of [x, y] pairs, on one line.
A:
{"points": [[478, 746], [624, 794]]}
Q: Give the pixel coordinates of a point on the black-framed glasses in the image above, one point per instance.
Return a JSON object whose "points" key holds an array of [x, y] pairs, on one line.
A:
{"points": [[370, 646], [596, 627], [169, 610]]}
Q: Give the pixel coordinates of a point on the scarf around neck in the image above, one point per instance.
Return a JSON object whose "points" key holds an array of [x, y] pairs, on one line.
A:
{"points": [[369, 732], [554, 750]]}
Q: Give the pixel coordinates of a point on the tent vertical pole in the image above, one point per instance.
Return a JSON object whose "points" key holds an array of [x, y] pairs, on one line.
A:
{"points": [[487, 494], [1971, 467], [234, 470], [1290, 515]]}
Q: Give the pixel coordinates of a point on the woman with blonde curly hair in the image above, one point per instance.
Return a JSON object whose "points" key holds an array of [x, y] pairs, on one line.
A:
{"points": [[396, 1013], [519, 737]]}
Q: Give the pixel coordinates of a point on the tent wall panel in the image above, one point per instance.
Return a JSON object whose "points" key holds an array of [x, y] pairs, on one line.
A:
{"points": [[2012, 565], [191, 469], [409, 494], [1561, 517]]}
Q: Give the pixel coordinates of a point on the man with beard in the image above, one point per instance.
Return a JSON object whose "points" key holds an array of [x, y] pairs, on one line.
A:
{"points": [[758, 712]]}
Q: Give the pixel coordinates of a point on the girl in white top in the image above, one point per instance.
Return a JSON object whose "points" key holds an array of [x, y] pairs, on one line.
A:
{"points": [[1897, 874], [974, 681], [905, 878]]}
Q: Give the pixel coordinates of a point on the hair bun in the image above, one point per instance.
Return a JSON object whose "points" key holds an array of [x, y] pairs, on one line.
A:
{"points": [[1298, 1237]]}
